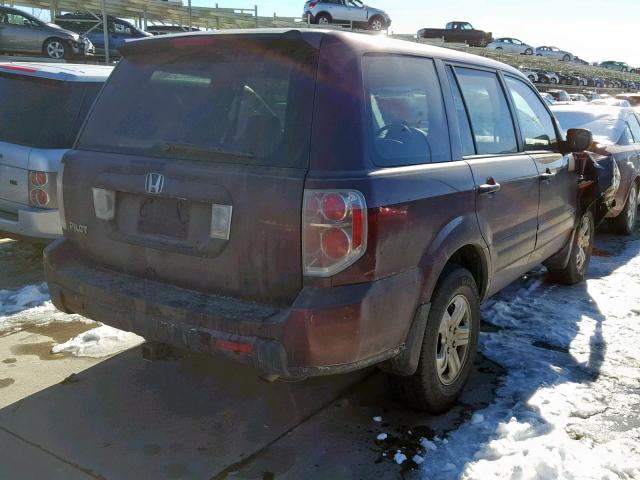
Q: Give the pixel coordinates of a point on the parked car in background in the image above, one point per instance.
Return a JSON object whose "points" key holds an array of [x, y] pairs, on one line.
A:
{"points": [[617, 66], [559, 95], [554, 52], [612, 102], [548, 98], [530, 74], [22, 33], [592, 96], [170, 216], [167, 29], [569, 79], [119, 31], [632, 98], [616, 133], [511, 45], [345, 12], [458, 32], [42, 107], [578, 97], [551, 76]]}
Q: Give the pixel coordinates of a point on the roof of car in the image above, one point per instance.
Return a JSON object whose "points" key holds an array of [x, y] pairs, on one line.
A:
{"points": [[66, 72], [364, 43]]}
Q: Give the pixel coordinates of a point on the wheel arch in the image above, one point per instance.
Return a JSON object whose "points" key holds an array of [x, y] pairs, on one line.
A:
{"points": [[459, 243], [323, 13]]}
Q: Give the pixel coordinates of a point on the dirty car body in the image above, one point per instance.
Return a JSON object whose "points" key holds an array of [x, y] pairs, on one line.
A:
{"points": [[227, 225]]}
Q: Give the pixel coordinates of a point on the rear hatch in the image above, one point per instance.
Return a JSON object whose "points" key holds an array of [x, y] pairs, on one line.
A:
{"points": [[35, 113], [190, 169]]}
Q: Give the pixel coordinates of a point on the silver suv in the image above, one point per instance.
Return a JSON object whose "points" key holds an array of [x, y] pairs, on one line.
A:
{"points": [[346, 12], [42, 107]]}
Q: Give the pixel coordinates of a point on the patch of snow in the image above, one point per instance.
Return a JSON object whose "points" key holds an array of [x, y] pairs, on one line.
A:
{"points": [[30, 306], [417, 459], [377, 419], [568, 404], [428, 445], [382, 436], [400, 457], [99, 342]]}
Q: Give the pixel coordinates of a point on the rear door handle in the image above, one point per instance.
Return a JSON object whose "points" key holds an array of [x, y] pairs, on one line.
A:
{"points": [[488, 188], [548, 175]]}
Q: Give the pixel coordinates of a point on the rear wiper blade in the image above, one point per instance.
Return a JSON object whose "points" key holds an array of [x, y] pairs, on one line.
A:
{"points": [[171, 147]]}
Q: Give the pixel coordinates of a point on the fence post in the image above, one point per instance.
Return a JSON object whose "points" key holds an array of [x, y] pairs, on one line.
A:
{"points": [[256, 13]]}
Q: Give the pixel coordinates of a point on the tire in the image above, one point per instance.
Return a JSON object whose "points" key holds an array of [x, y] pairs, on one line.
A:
{"points": [[323, 19], [625, 222], [566, 58], [528, 51], [498, 48], [581, 248], [428, 388], [55, 49], [553, 80], [531, 78], [376, 24]]}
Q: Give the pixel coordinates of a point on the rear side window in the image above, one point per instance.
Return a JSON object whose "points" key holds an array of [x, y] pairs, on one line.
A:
{"points": [[244, 101], [466, 137], [635, 127], [491, 121], [43, 113], [536, 125], [406, 111]]}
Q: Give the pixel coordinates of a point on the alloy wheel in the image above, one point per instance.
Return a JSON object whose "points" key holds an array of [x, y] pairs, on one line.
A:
{"points": [[632, 211], [55, 50], [584, 243], [453, 339], [376, 25]]}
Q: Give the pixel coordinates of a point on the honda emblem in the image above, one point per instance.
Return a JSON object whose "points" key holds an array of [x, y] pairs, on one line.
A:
{"points": [[154, 183]]}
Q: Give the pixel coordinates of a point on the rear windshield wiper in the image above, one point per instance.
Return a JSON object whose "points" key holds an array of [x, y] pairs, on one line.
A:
{"points": [[186, 148]]}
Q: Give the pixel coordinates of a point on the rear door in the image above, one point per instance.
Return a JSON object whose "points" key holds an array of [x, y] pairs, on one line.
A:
{"points": [[201, 146], [507, 185], [19, 33], [558, 192]]}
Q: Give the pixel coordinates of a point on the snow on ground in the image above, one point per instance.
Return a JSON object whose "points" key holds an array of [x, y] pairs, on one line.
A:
{"points": [[569, 405], [99, 342], [30, 306]]}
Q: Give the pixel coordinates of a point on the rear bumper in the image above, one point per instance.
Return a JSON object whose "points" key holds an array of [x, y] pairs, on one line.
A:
{"points": [[32, 223], [326, 330]]}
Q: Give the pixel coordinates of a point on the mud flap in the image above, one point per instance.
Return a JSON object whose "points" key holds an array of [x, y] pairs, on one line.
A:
{"points": [[406, 363]]}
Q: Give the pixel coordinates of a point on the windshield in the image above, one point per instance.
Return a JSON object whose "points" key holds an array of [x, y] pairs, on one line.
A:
{"points": [[606, 128], [240, 101], [43, 113]]}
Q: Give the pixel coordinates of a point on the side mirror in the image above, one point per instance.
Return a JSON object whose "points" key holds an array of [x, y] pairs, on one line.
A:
{"points": [[578, 140]]}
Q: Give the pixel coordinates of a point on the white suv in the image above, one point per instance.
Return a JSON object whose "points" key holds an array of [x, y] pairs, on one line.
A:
{"points": [[345, 12]]}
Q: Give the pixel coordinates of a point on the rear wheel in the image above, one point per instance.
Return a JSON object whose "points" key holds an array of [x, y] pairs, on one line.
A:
{"points": [[323, 19], [528, 51], [55, 49], [566, 58], [580, 256], [376, 24], [625, 222], [449, 345]]}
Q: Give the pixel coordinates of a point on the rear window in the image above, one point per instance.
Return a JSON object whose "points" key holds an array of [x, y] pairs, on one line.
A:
{"points": [[43, 113], [241, 100]]}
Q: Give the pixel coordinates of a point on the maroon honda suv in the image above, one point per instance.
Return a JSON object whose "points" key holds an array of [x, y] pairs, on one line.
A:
{"points": [[314, 202]]}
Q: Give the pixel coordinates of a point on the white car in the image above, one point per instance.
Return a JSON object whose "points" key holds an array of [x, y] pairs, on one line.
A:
{"points": [[346, 12], [42, 107], [530, 74], [554, 52], [511, 45]]}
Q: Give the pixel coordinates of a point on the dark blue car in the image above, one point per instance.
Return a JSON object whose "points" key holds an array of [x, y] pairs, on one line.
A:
{"points": [[92, 27]]}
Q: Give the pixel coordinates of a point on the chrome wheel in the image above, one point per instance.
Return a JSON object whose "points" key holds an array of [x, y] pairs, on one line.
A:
{"points": [[453, 340], [55, 49], [376, 25], [584, 243], [632, 209]]}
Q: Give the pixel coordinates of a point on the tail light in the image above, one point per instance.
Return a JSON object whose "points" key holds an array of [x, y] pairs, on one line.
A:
{"points": [[312, 4], [42, 189], [334, 233]]}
